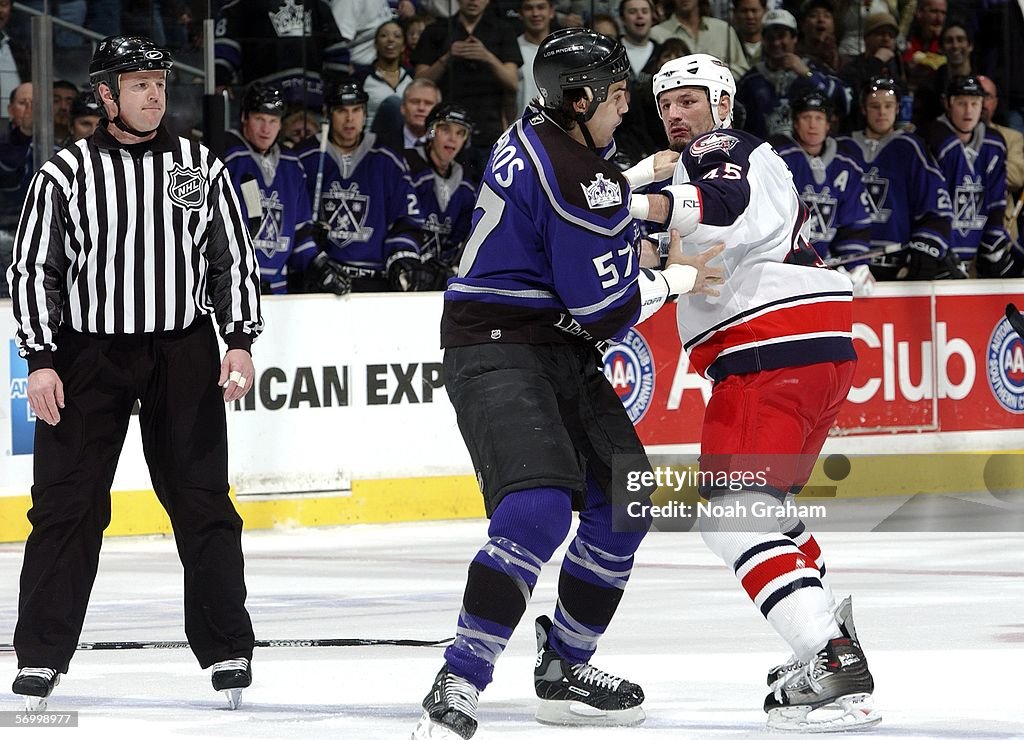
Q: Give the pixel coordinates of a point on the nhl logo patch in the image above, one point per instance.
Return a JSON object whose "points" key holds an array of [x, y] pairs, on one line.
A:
{"points": [[602, 192], [186, 187]]}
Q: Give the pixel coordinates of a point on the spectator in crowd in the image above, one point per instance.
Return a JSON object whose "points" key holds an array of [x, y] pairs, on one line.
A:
{"points": [[880, 59], [86, 114], [266, 41], [15, 60], [746, 19], [957, 44], [1002, 57], [605, 23], [16, 169], [357, 22], [387, 79], [972, 158], [369, 223], [923, 53], [474, 60], [413, 29], [908, 202], [64, 95], [445, 195], [298, 124], [766, 90], [283, 235], [1014, 155], [537, 17], [830, 186], [851, 20], [418, 100], [818, 35], [703, 34], [637, 18]]}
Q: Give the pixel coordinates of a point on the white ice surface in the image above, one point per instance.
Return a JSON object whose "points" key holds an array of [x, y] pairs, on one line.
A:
{"points": [[941, 617]]}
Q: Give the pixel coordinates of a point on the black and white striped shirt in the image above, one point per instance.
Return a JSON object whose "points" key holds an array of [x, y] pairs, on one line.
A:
{"points": [[117, 239]]}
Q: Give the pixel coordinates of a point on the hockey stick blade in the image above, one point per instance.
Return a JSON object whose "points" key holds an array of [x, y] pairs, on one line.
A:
{"points": [[1015, 319], [290, 643]]}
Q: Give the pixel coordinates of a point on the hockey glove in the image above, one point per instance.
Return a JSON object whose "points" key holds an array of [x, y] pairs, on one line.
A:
{"points": [[407, 275], [324, 275], [923, 261], [994, 261]]}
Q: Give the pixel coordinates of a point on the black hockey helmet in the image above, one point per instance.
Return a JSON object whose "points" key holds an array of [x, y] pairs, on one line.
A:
{"points": [[85, 105], [811, 100], [449, 113], [116, 55], [344, 92], [577, 58], [261, 98], [965, 85], [879, 84]]}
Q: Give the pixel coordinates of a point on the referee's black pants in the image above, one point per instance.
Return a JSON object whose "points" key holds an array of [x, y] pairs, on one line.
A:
{"points": [[184, 435]]}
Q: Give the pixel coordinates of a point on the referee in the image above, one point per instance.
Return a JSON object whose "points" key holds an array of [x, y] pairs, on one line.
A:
{"points": [[128, 242]]}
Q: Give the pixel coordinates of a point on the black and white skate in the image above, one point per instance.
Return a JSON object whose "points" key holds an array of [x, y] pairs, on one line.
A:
{"points": [[230, 677], [35, 684], [449, 709], [580, 694], [844, 617], [831, 693]]}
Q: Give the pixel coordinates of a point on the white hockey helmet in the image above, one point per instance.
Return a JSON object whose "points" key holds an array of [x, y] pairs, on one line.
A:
{"points": [[698, 70]]}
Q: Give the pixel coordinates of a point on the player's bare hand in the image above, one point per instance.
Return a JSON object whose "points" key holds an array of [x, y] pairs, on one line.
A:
{"points": [[46, 395], [237, 374], [665, 164], [707, 277]]}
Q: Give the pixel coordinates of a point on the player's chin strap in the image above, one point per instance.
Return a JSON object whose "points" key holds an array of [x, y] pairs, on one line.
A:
{"points": [[582, 123]]}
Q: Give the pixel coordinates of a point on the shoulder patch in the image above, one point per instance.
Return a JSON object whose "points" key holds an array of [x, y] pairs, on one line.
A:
{"points": [[602, 192], [712, 142]]}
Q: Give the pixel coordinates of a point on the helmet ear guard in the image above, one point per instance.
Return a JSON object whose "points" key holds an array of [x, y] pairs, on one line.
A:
{"points": [[699, 70]]}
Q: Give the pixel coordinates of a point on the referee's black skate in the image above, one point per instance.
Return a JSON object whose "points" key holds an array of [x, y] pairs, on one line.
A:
{"points": [[230, 677], [831, 693], [36, 685], [579, 693], [449, 709]]}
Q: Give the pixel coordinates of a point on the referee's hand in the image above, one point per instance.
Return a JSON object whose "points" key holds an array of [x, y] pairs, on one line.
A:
{"points": [[236, 374], [46, 395]]}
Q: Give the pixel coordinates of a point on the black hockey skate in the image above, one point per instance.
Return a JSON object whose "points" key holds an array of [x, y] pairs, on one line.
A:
{"points": [[580, 694], [831, 693], [35, 684], [449, 710], [230, 677], [844, 617]]}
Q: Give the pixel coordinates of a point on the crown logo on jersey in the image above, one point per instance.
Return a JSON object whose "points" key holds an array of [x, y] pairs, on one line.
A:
{"points": [[291, 19], [602, 192]]}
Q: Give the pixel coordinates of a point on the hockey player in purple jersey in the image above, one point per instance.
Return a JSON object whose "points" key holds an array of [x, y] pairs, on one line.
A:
{"points": [[366, 210], [829, 185], [550, 270], [972, 157], [908, 202], [283, 238], [445, 196]]}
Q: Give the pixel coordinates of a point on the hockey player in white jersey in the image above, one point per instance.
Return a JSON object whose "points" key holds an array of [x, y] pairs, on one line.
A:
{"points": [[778, 344]]}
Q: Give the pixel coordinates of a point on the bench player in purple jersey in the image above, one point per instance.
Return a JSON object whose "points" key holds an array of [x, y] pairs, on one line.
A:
{"points": [[550, 273]]}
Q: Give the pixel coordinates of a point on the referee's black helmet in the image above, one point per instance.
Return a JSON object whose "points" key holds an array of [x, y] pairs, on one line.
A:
{"points": [[116, 55]]}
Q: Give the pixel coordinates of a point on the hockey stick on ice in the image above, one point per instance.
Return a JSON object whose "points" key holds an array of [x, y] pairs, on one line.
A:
{"points": [[329, 642], [1015, 319]]}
